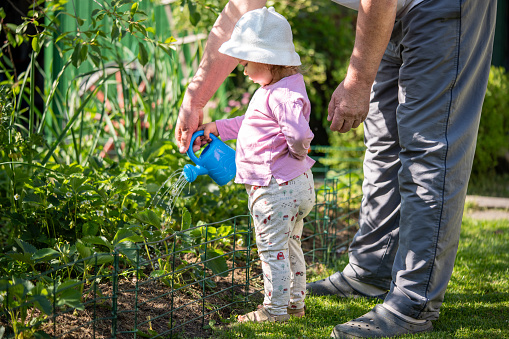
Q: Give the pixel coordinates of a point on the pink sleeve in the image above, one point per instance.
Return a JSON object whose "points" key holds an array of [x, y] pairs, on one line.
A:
{"points": [[229, 128], [295, 127]]}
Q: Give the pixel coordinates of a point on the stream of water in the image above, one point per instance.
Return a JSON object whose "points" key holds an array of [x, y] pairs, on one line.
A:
{"points": [[171, 193]]}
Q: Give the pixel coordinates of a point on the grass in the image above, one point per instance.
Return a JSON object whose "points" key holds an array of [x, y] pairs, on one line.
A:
{"points": [[476, 303]]}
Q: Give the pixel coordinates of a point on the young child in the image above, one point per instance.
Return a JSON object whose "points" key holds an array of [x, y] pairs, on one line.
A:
{"points": [[273, 140]]}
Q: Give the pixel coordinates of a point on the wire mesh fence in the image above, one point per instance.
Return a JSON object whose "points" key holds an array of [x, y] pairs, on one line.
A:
{"points": [[181, 284]]}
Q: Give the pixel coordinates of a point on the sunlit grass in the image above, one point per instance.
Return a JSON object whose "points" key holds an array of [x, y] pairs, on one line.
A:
{"points": [[476, 303]]}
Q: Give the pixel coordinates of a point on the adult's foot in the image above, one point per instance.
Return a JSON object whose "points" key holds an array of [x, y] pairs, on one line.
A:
{"points": [[377, 323], [336, 284]]}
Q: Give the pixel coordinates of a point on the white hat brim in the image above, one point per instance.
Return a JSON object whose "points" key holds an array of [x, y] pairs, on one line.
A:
{"points": [[260, 55]]}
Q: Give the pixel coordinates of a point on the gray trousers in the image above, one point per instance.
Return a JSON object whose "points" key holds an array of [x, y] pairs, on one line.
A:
{"points": [[420, 135]]}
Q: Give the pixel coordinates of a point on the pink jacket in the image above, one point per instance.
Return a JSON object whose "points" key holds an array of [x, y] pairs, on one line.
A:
{"points": [[274, 136]]}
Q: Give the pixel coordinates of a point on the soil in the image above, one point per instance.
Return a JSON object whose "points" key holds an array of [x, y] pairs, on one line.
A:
{"points": [[158, 309]]}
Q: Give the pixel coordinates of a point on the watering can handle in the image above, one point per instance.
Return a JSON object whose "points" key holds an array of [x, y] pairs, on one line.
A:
{"points": [[190, 152]]}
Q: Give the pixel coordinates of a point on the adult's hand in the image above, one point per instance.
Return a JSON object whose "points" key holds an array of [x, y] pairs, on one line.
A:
{"points": [[348, 107], [349, 104], [188, 121]]}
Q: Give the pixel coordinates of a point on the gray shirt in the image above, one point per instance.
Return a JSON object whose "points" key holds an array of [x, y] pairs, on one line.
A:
{"points": [[404, 6]]}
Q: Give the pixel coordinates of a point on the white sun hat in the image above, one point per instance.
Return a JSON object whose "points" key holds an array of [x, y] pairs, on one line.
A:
{"points": [[262, 36]]}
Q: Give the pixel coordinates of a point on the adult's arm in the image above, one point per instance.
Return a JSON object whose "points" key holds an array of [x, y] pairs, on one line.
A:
{"points": [[212, 71], [349, 104]]}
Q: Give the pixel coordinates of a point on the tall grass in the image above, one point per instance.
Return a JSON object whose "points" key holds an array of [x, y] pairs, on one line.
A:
{"points": [[121, 104], [113, 82]]}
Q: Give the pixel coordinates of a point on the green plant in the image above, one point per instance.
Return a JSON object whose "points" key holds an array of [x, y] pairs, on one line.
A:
{"points": [[32, 257], [493, 137], [108, 65], [105, 90], [72, 206], [116, 95], [207, 243], [36, 194], [17, 296]]}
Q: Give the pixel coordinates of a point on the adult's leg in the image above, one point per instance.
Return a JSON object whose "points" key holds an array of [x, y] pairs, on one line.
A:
{"points": [[446, 50], [372, 251]]}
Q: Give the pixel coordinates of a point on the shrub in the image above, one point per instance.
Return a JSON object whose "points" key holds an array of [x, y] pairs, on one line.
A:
{"points": [[493, 138]]}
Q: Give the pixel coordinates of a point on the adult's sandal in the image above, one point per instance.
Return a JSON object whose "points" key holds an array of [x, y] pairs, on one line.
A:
{"points": [[377, 323], [336, 284]]}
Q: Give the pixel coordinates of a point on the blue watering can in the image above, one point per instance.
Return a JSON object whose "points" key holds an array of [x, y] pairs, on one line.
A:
{"points": [[217, 160]]}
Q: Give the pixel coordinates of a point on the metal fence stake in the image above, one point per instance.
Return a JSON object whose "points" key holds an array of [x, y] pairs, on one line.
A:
{"points": [[114, 295]]}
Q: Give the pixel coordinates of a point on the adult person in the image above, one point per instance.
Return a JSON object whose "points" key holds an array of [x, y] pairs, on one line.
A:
{"points": [[416, 78]]}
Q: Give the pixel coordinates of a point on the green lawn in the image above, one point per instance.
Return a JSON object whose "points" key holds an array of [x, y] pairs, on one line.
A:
{"points": [[476, 304]]}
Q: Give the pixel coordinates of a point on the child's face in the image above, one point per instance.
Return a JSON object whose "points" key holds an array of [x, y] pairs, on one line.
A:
{"points": [[258, 73]]}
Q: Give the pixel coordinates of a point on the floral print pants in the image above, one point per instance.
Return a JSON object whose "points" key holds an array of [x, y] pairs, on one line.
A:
{"points": [[278, 211]]}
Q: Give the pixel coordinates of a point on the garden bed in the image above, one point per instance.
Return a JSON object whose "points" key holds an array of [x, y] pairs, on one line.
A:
{"points": [[153, 307]]}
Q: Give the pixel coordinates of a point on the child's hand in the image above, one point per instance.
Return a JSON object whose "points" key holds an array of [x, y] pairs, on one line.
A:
{"points": [[207, 129], [203, 140]]}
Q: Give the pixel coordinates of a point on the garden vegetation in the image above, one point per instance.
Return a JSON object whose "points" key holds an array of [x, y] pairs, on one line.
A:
{"points": [[87, 147]]}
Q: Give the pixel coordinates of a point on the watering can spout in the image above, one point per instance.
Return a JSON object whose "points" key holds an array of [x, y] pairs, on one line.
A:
{"points": [[192, 172]]}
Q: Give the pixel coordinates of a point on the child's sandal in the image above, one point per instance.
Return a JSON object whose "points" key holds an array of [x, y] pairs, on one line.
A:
{"points": [[297, 313], [261, 315]]}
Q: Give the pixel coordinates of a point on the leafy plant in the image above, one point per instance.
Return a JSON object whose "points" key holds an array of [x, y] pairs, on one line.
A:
{"points": [[493, 137], [84, 175], [17, 296]]}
